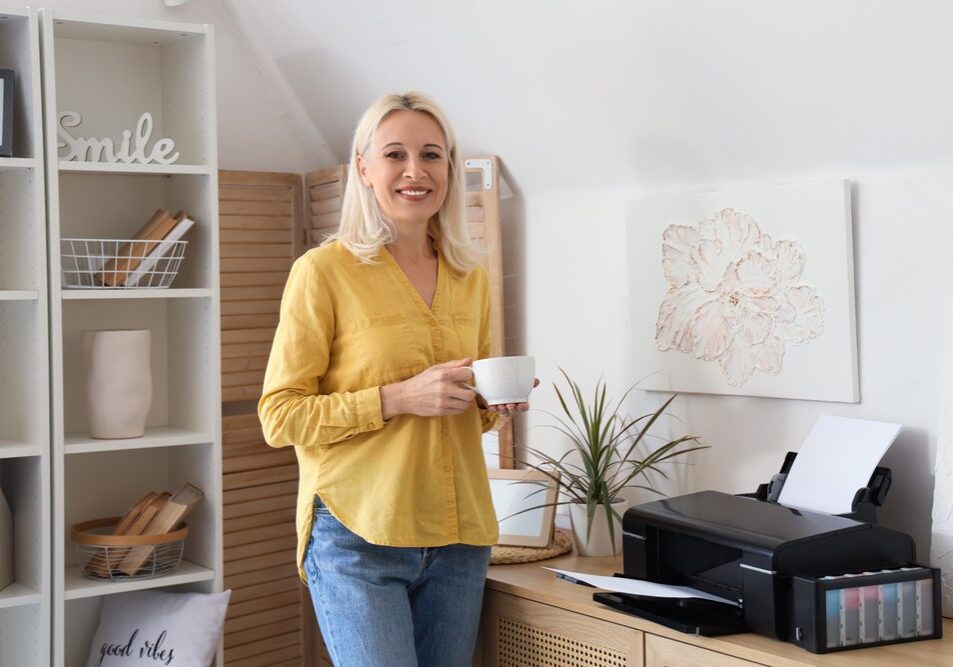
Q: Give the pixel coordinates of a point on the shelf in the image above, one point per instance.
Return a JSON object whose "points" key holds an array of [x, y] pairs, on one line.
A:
{"points": [[122, 168], [119, 293], [11, 449], [18, 295], [17, 595], [158, 436], [10, 163], [78, 586]]}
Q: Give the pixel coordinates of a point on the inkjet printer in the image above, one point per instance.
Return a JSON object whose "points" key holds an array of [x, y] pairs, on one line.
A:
{"points": [[824, 582]]}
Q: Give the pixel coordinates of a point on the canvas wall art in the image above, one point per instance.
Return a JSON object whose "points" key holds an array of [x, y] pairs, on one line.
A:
{"points": [[745, 292]]}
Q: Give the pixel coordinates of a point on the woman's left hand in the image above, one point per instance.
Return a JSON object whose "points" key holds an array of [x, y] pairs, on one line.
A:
{"points": [[510, 409]]}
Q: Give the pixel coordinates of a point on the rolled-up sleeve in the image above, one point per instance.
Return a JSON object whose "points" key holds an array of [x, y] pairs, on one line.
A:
{"points": [[291, 409]]}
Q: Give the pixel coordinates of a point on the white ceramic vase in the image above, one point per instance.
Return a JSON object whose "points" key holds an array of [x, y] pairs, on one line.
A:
{"points": [[598, 543], [118, 382], [6, 543]]}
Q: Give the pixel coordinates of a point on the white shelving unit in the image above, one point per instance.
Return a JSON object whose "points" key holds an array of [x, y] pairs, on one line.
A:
{"points": [[24, 369], [110, 71]]}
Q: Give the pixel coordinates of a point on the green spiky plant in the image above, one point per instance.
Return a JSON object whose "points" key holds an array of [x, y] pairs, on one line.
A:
{"points": [[603, 459]]}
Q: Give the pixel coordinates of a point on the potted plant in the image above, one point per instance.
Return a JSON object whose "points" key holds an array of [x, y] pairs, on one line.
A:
{"points": [[604, 459]]}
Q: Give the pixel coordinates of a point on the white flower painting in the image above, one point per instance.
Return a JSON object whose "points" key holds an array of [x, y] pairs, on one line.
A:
{"points": [[745, 292], [735, 295]]}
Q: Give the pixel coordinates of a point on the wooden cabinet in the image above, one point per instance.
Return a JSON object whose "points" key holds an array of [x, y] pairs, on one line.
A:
{"points": [[521, 633], [661, 652], [532, 619]]}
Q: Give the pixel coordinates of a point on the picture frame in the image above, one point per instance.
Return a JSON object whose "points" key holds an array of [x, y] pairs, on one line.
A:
{"points": [[525, 506], [7, 82]]}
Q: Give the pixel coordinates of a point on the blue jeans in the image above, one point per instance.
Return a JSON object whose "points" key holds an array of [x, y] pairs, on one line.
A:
{"points": [[393, 606]]}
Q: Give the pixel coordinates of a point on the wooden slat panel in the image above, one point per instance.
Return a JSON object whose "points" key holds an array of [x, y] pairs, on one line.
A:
{"points": [[247, 236], [477, 230], [267, 193], [244, 364], [239, 480], [266, 660], [248, 431], [267, 655], [246, 350], [335, 174], [318, 236], [256, 250], [275, 458], [326, 191], [256, 279], [236, 510], [270, 222], [323, 220], [251, 307], [237, 624], [248, 336], [241, 449], [240, 422], [243, 597], [256, 264], [321, 206], [227, 207], [261, 321], [246, 393], [255, 563], [252, 521], [264, 631], [271, 646], [285, 545], [255, 577], [475, 213], [244, 495], [264, 602]]}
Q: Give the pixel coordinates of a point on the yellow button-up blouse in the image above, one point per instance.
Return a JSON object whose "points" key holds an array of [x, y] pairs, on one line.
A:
{"points": [[346, 329]]}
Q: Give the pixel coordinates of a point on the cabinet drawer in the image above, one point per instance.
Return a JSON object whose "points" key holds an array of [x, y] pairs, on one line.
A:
{"points": [[661, 652], [521, 633]]}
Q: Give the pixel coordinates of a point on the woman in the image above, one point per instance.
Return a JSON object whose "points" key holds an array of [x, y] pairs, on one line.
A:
{"points": [[378, 329]]}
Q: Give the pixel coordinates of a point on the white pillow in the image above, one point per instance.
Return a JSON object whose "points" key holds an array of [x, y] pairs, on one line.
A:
{"points": [[154, 628]]}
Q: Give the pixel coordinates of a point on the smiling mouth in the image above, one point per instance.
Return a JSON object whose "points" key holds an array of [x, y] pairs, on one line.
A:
{"points": [[414, 194]]}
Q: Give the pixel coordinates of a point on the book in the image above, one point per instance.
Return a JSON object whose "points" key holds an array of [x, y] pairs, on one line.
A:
{"points": [[184, 223], [133, 522], [168, 517], [131, 254]]}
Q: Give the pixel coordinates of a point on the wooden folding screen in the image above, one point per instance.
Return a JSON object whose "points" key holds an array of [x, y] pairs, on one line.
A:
{"points": [[325, 190], [269, 622]]}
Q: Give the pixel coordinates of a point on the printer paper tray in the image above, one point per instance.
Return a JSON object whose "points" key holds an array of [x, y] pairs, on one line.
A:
{"points": [[695, 617]]}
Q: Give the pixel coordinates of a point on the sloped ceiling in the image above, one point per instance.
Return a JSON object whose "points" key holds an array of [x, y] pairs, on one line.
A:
{"points": [[623, 92]]}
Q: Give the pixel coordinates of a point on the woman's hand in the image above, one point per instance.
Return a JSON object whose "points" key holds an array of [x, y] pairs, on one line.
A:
{"points": [[510, 409], [435, 392]]}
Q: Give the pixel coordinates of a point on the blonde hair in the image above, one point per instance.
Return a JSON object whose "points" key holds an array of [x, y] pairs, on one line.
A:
{"points": [[363, 229]]}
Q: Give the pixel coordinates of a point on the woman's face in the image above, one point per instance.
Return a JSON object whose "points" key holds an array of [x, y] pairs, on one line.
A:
{"points": [[407, 167]]}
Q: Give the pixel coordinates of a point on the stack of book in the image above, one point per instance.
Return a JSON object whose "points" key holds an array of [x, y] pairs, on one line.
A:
{"points": [[138, 258], [153, 514]]}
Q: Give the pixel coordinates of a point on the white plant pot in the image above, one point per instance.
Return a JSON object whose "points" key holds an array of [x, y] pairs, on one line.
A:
{"points": [[598, 543], [6, 543], [118, 382]]}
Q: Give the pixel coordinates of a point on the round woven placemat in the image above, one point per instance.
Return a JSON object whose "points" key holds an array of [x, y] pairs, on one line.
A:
{"points": [[559, 545]]}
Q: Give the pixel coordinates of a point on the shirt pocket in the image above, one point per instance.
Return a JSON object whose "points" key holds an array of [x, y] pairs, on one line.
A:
{"points": [[468, 333], [382, 346]]}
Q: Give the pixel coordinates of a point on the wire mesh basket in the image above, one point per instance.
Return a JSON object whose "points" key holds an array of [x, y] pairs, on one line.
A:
{"points": [[103, 555], [119, 263]]}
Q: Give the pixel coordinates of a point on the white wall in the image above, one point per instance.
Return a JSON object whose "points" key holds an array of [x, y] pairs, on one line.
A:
{"points": [[254, 125], [577, 317]]}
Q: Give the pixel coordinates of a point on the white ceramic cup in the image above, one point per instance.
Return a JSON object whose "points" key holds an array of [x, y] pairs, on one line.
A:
{"points": [[503, 379]]}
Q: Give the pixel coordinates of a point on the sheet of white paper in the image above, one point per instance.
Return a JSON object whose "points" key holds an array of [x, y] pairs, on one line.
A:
{"points": [[639, 587], [837, 458]]}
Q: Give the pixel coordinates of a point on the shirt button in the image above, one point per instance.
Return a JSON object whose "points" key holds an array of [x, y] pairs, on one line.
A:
{"points": [[433, 322], [447, 467]]}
